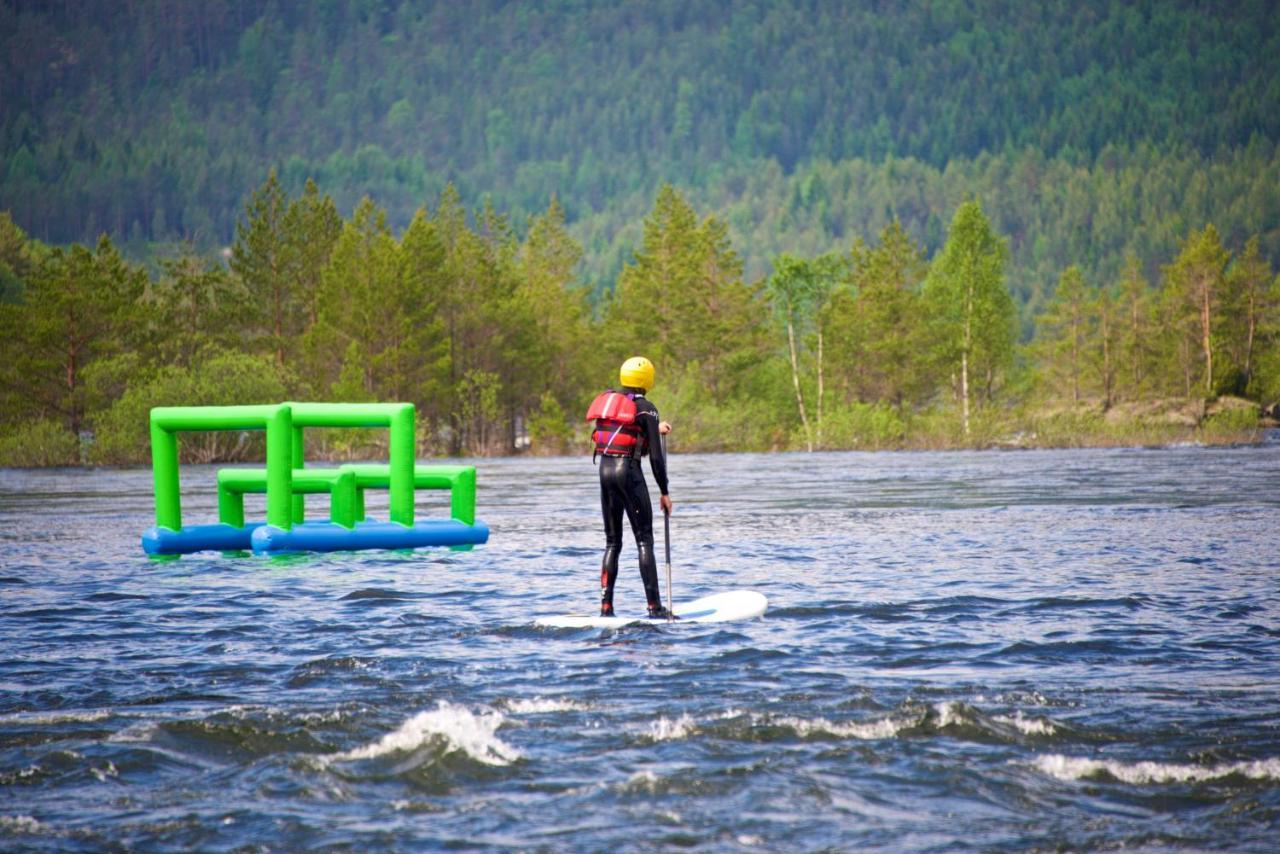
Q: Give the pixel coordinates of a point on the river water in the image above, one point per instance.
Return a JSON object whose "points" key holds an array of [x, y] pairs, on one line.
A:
{"points": [[993, 650]]}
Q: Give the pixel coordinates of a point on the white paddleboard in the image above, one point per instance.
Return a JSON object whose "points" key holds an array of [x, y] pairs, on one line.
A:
{"points": [[716, 608]]}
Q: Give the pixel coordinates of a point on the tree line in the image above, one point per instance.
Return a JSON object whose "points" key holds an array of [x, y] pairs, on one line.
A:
{"points": [[498, 339]]}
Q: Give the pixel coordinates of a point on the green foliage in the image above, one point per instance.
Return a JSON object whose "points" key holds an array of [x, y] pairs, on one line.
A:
{"points": [[970, 306], [39, 442], [549, 430], [1063, 330], [478, 393], [1194, 285], [77, 305], [865, 426], [217, 378], [1071, 427], [683, 301], [801, 292], [559, 342], [391, 100], [702, 423], [883, 349], [1236, 424], [485, 331]]}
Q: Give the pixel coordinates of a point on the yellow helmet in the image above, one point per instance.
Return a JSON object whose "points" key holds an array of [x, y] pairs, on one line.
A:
{"points": [[636, 372]]}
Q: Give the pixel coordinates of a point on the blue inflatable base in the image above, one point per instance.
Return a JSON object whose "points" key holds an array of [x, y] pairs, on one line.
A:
{"points": [[313, 537]]}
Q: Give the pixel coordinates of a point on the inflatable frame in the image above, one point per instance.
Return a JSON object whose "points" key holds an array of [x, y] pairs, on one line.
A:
{"points": [[285, 481]]}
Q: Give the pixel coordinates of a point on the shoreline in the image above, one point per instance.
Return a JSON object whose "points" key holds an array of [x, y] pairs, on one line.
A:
{"points": [[1267, 433]]}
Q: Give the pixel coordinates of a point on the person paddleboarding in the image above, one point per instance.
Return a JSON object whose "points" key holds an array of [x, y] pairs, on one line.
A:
{"points": [[626, 430]]}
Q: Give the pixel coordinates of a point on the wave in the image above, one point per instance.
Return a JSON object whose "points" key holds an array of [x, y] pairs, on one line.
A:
{"points": [[1027, 726], [666, 729], [868, 731], [952, 718], [30, 774], [16, 824], [474, 735], [542, 706], [1137, 773], [73, 716]]}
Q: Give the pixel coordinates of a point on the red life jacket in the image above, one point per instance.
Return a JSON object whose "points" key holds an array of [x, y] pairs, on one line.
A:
{"points": [[616, 433]]}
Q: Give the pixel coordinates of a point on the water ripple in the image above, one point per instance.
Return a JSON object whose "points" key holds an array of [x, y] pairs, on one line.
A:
{"points": [[1033, 650]]}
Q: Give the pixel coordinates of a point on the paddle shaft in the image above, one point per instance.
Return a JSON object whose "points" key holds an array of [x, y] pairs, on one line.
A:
{"points": [[666, 539], [666, 527]]}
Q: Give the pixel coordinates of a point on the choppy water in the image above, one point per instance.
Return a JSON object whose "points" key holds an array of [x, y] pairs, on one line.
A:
{"points": [[990, 650]]}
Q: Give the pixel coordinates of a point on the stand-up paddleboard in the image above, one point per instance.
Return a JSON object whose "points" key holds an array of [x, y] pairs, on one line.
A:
{"points": [[717, 608]]}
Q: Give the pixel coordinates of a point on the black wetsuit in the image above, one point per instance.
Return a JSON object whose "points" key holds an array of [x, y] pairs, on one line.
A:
{"points": [[623, 488]]}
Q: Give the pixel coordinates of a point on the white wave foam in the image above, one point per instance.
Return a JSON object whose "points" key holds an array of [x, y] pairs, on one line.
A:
{"points": [[1028, 726], [642, 781], [1078, 768], [19, 824], [665, 729], [868, 731], [43, 718], [9, 777], [103, 773], [949, 713], [542, 706], [473, 734]]}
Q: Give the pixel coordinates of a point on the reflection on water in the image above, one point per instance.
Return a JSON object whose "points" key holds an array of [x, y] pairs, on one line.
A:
{"points": [[995, 650]]}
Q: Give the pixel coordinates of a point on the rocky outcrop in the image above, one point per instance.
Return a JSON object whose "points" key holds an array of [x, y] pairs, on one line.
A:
{"points": [[1177, 411]]}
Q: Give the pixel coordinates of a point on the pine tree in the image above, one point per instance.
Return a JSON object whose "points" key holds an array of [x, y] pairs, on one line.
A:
{"points": [[1104, 343], [15, 259], [549, 289], [683, 301], [1062, 332], [1195, 282], [259, 257], [1135, 307], [311, 226], [361, 307], [1245, 305], [881, 321], [79, 306], [422, 259], [194, 304]]}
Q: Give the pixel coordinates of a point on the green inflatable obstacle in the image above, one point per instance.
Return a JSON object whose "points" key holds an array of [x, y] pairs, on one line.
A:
{"points": [[286, 480]]}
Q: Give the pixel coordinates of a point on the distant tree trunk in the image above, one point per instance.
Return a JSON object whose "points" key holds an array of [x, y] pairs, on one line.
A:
{"points": [[1185, 354], [1136, 354], [277, 320], [1252, 324], [1075, 359], [1205, 320], [1106, 359], [795, 379], [964, 357], [819, 386]]}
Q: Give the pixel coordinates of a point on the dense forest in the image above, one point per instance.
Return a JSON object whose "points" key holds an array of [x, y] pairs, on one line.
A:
{"points": [[1089, 130], [495, 340], [480, 206]]}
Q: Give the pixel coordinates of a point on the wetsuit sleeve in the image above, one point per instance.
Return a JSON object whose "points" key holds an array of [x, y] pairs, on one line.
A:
{"points": [[657, 456]]}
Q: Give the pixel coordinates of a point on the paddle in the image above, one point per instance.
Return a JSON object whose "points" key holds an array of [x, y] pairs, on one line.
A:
{"points": [[666, 540], [666, 528]]}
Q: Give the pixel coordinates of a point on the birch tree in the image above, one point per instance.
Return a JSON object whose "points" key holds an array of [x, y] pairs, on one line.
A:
{"points": [[971, 305]]}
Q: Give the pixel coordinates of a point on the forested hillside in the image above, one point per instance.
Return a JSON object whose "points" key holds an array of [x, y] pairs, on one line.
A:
{"points": [[832, 225], [802, 122]]}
